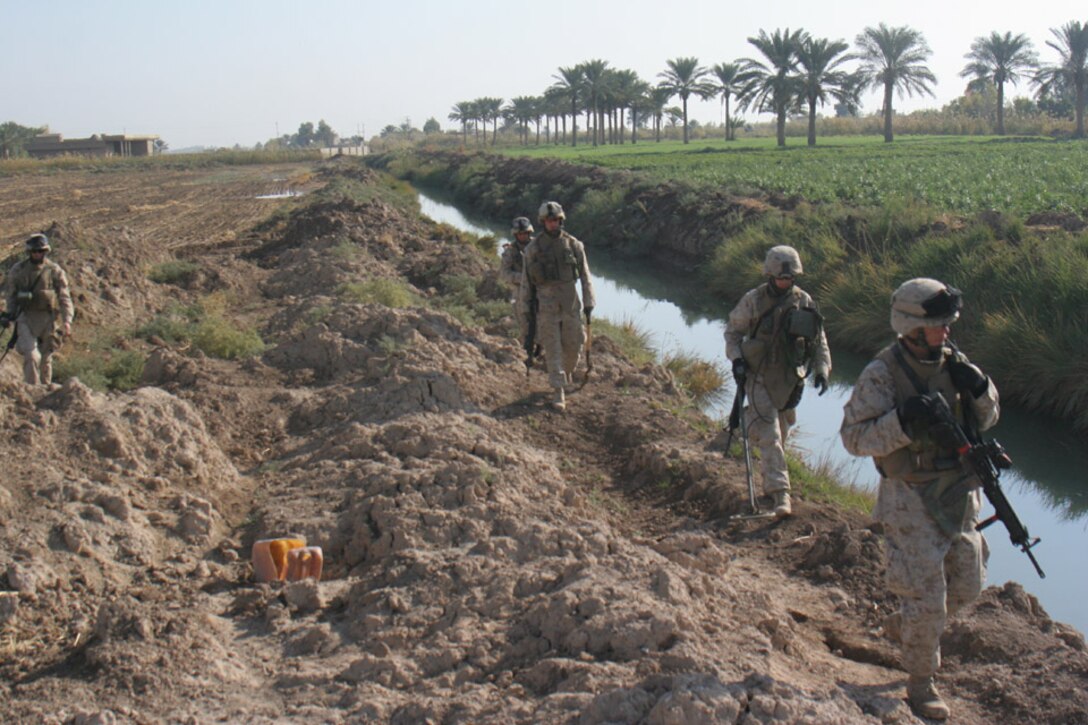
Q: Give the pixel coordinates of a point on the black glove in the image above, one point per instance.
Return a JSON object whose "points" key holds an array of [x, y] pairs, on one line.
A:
{"points": [[966, 376], [588, 311], [820, 383], [740, 370], [917, 410], [4, 320]]}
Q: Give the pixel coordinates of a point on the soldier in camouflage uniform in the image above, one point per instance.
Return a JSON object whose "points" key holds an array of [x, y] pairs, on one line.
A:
{"points": [[37, 295], [553, 262], [775, 339], [927, 501], [511, 267]]}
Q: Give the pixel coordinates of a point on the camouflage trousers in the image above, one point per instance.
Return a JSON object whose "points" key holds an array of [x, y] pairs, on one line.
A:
{"points": [[769, 430], [934, 574], [560, 330], [38, 340]]}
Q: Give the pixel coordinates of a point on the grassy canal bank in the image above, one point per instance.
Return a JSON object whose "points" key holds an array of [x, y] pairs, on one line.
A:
{"points": [[1025, 276]]}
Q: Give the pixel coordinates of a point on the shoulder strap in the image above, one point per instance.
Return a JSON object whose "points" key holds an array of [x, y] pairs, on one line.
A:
{"points": [[919, 386]]}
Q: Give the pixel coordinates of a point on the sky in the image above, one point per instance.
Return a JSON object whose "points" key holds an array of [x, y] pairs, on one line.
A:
{"points": [[226, 72]]}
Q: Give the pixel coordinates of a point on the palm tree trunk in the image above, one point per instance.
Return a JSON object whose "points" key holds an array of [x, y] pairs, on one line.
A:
{"points": [[780, 127], [811, 121], [1001, 108], [726, 121], [729, 135], [634, 125], [573, 121], [887, 112], [685, 99], [1080, 111], [494, 130]]}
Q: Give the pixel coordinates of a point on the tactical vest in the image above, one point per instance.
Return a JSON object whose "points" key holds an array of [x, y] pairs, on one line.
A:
{"points": [[554, 260], [517, 259], [42, 282], [780, 358], [922, 460]]}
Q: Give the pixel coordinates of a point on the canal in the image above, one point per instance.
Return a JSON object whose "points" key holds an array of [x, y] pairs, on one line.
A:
{"points": [[1047, 485]]}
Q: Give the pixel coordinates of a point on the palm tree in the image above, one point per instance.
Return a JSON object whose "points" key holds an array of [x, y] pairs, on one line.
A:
{"points": [[491, 110], [569, 81], [463, 112], [997, 59], [595, 75], [1072, 70], [555, 100], [659, 98], [820, 61], [728, 85], [894, 58], [683, 77], [773, 86], [522, 110]]}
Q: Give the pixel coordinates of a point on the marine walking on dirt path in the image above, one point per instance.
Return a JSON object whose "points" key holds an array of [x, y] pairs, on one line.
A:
{"points": [[775, 339], [511, 268], [39, 303], [928, 502], [553, 262]]}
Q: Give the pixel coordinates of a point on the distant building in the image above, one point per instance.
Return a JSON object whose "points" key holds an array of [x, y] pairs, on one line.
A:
{"points": [[345, 150], [48, 145]]}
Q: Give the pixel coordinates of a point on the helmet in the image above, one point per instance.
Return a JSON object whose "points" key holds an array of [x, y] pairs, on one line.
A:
{"points": [[782, 260], [924, 302], [550, 210], [520, 225], [36, 242]]}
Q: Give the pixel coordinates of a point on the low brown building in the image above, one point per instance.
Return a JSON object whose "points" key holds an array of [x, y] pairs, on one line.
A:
{"points": [[48, 145]]}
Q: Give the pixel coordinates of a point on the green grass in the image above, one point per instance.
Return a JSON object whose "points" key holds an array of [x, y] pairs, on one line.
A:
{"points": [[101, 369], [173, 272], [962, 174], [703, 380], [389, 292], [209, 159], [820, 481], [205, 326], [632, 341]]}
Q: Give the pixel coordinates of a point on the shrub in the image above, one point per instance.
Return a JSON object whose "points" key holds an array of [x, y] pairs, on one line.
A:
{"points": [[102, 370], [222, 338], [389, 292], [632, 341], [173, 272], [703, 380]]}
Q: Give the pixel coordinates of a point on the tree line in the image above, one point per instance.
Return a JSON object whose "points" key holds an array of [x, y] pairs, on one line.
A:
{"points": [[791, 73]]}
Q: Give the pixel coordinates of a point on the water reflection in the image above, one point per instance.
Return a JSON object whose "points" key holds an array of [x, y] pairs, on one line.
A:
{"points": [[1046, 487]]}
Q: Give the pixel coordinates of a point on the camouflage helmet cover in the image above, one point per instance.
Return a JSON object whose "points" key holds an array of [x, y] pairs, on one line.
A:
{"points": [[37, 242], [521, 225], [782, 260], [550, 210], [924, 302]]}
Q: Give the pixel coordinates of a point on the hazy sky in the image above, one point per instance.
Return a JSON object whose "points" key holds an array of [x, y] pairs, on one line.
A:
{"points": [[216, 73]]}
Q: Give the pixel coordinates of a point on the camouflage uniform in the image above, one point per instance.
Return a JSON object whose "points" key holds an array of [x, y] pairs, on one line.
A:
{"points": [[756, 331], [511, 271], [928, 501], [936, 558], [36, 324], [551, 266]]}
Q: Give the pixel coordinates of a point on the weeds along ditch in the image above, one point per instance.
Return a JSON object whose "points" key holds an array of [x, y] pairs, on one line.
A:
{"points": [[1024, 273]]}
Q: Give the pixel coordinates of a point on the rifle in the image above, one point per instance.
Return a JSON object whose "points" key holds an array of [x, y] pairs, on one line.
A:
{"points": [[530, 332], [986, 459], [589, 344], [5, 320], [736, 420]]}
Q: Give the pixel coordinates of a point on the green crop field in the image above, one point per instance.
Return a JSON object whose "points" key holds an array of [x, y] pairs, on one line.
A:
{"points": [[950, 173]]}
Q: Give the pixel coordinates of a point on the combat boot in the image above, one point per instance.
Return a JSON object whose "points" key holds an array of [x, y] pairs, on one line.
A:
{"points": [[559, 402], [782, 507], [924, 698]]}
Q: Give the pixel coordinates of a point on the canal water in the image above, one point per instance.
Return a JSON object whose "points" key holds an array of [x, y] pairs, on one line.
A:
{"points": [[1047, 486]]}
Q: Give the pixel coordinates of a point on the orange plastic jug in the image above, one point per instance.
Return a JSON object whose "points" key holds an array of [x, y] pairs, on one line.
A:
{"points": [[304, 563], [270, 558]]}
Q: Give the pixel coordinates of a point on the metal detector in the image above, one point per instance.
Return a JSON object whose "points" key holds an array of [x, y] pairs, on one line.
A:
{"points": [[736, 420]]}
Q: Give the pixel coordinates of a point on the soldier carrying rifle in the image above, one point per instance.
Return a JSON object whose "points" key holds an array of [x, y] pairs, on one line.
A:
{"points": [[38, 297], [929, 498]]}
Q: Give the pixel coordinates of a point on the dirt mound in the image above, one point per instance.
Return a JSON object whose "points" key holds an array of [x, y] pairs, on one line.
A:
{"points": [[487, 559]]}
